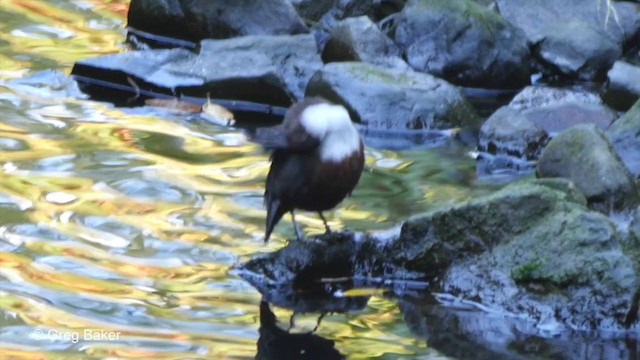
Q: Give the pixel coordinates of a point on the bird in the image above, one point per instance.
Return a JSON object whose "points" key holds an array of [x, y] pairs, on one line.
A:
{"points": [[316, 161]]}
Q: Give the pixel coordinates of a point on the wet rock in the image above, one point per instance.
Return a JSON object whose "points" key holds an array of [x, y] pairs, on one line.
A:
{"points": [[264, 69], [584, 155], [624, 88], [530, 250], [359, 39], [624, 135], [557, 109], [393, 98], [304, 262], [464, 43], [196, 20], [509, 132], [582, 48]]}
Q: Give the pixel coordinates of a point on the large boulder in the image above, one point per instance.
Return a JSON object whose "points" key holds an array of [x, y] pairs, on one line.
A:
{"points": [[623, 88], [582, 46], [196, 20], [359, 39], [532, 249], [464, 43], [393, 98], [584, 155], [624, 135], [265, 69]]}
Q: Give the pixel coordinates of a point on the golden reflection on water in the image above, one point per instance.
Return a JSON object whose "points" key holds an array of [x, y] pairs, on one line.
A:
{"points": [[128, 221]]}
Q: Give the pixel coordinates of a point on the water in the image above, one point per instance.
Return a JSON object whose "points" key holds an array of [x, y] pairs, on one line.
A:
{"points": [[118, 226]]}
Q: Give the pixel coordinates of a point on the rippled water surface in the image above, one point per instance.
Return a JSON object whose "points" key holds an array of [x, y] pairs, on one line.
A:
{"points": [[126, 221]]}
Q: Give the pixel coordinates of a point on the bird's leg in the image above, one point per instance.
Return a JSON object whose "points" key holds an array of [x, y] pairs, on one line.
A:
{"points": [[292, 321], [319, 321], [295, 227], [326, 226]]}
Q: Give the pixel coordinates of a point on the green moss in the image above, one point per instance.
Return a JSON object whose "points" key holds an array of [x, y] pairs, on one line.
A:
{"points": [[527, 272], [466, 8], [366, 71]]}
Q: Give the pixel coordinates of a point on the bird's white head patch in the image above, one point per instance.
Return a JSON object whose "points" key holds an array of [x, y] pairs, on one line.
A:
{"points": [[331, 125]]}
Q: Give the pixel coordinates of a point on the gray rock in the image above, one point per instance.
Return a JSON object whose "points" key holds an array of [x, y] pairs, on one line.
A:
{"points": [[584, 47], [161, 17], [530, 250], [393, 98], [624, 135], [509, 132], [327, 10], [577, 50], [215, 19], [266, 69], [464, 43], [555, 109], [312, 10], [359, 39], [624, 85], [294, 58], [584, 155]]}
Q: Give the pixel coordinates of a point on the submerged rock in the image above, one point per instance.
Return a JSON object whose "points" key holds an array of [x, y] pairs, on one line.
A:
{"points": [[584, 155], [624, 135], [464, 43], [264, 69], [582, 46], [196, 20], [393, 98], [359, 39]]}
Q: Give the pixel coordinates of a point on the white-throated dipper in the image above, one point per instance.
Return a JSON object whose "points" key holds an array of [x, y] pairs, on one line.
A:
{"points": [[316, 162]]}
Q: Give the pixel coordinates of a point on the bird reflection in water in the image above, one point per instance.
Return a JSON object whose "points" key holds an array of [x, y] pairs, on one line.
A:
{"points": [[277, 344]]}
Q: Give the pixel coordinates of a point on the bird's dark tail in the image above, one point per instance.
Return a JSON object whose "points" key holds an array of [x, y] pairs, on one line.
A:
{"points": [[274, 214]]}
